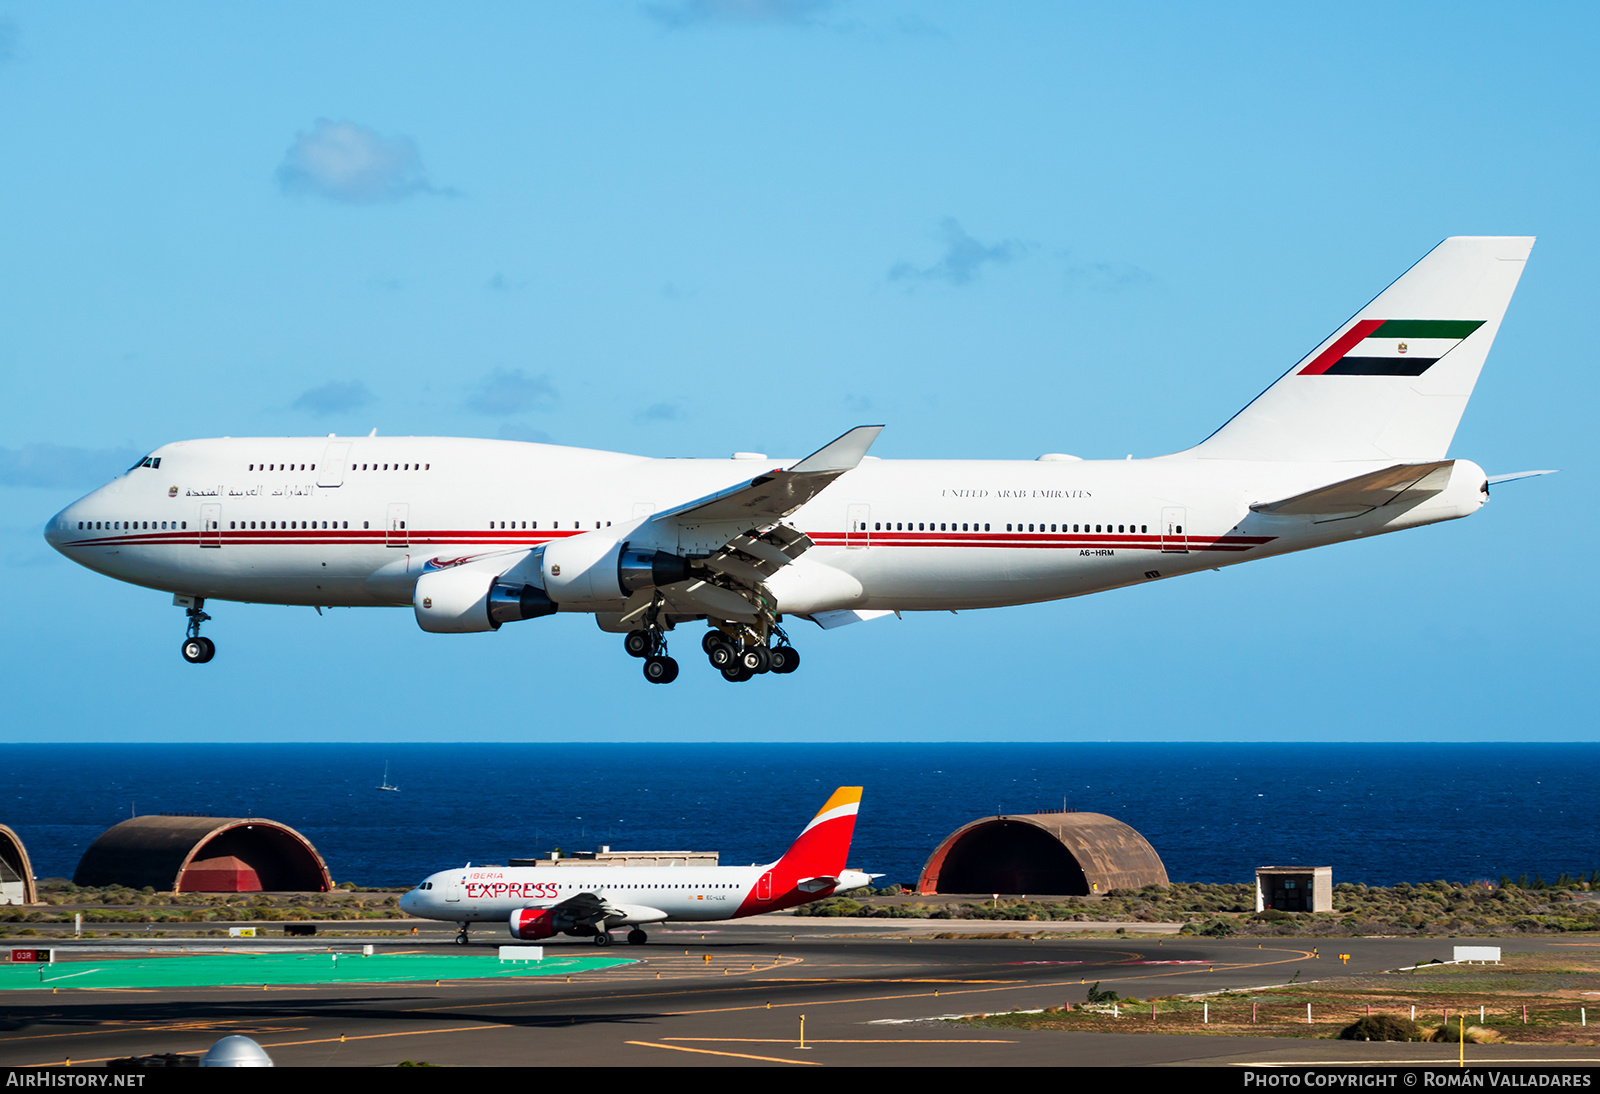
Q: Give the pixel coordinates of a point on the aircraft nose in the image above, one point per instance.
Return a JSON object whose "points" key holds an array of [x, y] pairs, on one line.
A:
{"points": [[55, 531], [408, 902]]}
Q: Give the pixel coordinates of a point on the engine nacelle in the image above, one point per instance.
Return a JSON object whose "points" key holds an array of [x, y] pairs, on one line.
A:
{"points": [[529, 924], [585, 570], [646, 569], [463, 600]]}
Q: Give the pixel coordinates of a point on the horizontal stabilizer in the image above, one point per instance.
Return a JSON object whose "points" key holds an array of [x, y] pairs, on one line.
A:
{"points": [[1406, 483], [1495, 480]]}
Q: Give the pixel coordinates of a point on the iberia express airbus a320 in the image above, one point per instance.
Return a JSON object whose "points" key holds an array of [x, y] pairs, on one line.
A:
{"points": [[474, 534], [541, 901]]}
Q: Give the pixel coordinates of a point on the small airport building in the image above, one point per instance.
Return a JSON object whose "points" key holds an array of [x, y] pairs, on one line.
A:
{"points": [[1046, 854], [185, 854], [1294, 888], [605, 856], [16, 873]]}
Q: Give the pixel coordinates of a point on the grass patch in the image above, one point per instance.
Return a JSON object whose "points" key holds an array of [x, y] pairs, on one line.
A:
{"points": [[1529, 999]]}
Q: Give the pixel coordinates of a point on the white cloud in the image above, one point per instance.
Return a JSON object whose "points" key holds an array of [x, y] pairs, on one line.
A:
{"points": [[962, 260], [507, 391], [334, 397], [349, 163], [689, 13]]}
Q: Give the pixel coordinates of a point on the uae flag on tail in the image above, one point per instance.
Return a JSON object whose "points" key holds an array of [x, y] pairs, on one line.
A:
{"points": [[1390, 347]]}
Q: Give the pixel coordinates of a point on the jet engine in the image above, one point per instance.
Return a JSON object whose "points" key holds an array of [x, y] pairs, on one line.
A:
{"points": [[584, 571], [463, 600], [531, 923]]}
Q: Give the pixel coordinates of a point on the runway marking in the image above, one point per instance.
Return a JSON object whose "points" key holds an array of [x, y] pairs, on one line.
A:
{"points": [[1003, 986], [876, 980], [1475, 1062], [845, 1041], [737, 1055]]}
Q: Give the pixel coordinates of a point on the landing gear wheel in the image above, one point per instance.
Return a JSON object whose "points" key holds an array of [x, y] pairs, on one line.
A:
{"points": [[198, 650], [602, 938], [660, 670], [756, 660], [712, 638], [639, 644], [722, 655], [785, 659], [636, 937], [736, 673], [461, 939]]}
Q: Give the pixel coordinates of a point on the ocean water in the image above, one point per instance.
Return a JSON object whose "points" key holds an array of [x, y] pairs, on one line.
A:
{"points": [[1214, 812]]}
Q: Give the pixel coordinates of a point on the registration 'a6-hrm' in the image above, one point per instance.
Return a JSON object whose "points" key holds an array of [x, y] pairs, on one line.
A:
{"points": [[475, 534]]}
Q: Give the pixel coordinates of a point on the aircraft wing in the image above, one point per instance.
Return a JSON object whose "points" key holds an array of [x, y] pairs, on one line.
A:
{"points": [[593, 910], [741, 533], [768, 498], [1405, 483]]}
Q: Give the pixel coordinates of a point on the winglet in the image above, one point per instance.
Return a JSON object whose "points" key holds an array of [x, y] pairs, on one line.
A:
{"points": [[841, 454]]}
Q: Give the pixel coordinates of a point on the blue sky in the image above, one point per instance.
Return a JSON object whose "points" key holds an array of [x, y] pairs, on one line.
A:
{"points": [[698, 226]]}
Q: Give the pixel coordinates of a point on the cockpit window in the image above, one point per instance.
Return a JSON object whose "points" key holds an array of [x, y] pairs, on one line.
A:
{"points": [[148, 461]]}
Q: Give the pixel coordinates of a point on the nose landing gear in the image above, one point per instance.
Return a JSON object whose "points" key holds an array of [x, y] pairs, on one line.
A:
{"points": [[196, 649]]}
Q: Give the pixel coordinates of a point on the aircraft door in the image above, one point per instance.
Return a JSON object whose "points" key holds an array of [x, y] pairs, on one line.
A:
{"points": [[335, 458], [395, 533], [764, 886], [856, 526], [211, 526], [452, 892], [1173, 538]]}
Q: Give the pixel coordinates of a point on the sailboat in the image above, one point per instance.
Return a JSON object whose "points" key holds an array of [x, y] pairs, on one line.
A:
{"points": [[386, 785]]}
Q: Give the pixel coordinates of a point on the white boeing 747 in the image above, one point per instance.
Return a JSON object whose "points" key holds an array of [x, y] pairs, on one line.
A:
{"points": [[474, 534], [541, 901]]}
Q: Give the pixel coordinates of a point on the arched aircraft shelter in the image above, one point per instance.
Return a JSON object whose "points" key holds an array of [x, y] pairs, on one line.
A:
{"points": [[204, 855], [1048, 854]]}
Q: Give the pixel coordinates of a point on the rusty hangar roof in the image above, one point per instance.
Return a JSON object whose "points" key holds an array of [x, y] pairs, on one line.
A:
{"points": [[14, 861], [1049, 853], [204, 854]]}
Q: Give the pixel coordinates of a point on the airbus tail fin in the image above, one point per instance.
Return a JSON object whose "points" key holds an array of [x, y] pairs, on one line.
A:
{"points": [[823, 846], [1391, 382]]}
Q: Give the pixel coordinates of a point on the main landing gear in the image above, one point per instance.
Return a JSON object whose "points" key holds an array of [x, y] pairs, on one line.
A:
{"points": [[650, 643], [741, 654], [738, 651], [602, 937], [197, 650], [636, 937]]}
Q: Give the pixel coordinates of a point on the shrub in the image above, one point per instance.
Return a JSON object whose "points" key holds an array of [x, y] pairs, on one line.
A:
{"points": [[1097, 996], [1382, 1027]]}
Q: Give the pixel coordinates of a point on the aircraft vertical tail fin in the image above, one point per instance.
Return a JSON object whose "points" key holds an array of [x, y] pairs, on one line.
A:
{"points": [[1391, 383], [821, 849]]}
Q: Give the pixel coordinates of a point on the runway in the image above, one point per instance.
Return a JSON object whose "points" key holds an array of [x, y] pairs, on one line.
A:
{"points": [[869, 993]]}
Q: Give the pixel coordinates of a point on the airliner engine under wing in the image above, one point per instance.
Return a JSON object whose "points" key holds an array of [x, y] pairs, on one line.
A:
{"points": [[541, 901], [474, 534]]}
